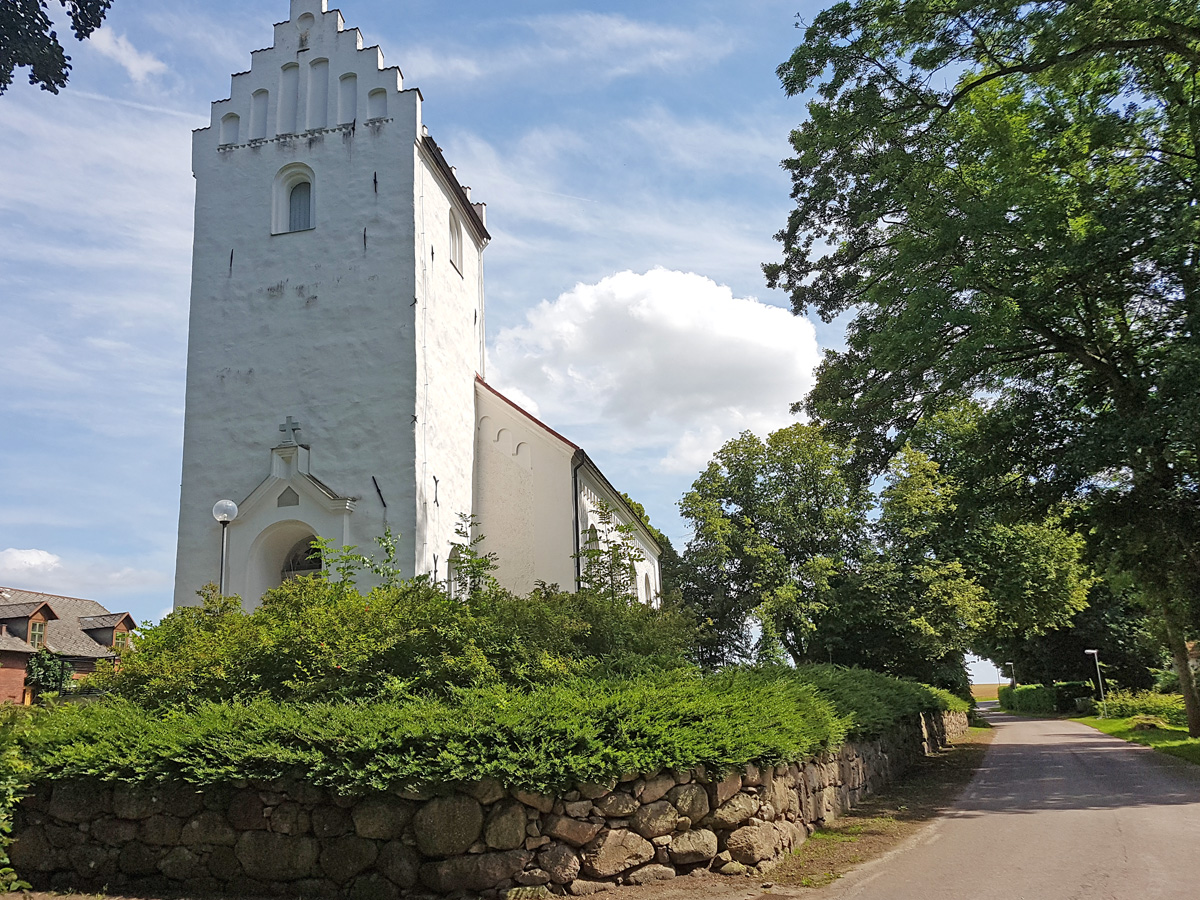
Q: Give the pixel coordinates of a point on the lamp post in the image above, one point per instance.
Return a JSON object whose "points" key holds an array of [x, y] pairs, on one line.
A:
{"points": [[1012, 673], [1095, 654], [225, 511]]}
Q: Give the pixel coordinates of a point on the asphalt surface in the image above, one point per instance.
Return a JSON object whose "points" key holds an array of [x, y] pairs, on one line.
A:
{"points": [[1057, 811]]}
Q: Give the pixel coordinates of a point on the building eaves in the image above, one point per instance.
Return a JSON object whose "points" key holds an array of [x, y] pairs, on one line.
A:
{"points": [[435, 153], [532, 418], [12, 644], [25, 610], [636, 520]]}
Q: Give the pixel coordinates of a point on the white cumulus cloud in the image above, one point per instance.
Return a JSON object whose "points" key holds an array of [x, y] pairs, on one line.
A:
{"points": [[664, 363], [19, 563]]}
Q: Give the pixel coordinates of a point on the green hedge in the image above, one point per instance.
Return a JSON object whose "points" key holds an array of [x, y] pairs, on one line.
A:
{"points": [[546, 738], [1169, 707], [1031, 699]]}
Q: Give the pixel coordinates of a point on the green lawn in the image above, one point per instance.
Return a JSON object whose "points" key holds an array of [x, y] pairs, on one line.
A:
{"points": [[1174, 741]]}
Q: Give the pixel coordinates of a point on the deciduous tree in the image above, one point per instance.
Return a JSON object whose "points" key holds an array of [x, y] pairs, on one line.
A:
{"points": [[28, 39], [1006, 196]]}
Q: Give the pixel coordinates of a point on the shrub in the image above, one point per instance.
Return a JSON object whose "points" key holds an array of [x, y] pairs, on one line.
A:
{"points": [[874, 702], [48, 673], [1067, 692], [1124, 704], [14, 772], [317, 640], [1030, 699], [575, 729]]}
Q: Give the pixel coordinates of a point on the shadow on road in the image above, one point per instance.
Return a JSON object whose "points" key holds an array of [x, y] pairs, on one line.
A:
{"points": [[1037, 765]]}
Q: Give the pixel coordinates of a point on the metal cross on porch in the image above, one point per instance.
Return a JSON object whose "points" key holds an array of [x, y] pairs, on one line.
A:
{"points": [[289, 428]]}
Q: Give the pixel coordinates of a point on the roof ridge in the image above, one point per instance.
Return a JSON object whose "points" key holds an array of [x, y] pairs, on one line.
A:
{"points": [[4, 588]]}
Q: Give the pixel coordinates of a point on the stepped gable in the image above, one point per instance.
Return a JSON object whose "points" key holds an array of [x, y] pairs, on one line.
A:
{"points": [[316, 76]]}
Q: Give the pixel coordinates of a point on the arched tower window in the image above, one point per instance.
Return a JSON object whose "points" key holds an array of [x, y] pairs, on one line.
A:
{"points": [[303, 559], [294, 204], [300, 207]]}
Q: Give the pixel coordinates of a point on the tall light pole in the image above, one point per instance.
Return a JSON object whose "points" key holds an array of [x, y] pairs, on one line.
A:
{"points": [[1095, 654], [1012, 672], [225, 511]]}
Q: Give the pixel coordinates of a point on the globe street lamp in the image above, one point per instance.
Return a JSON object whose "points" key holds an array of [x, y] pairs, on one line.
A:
{"points": [[225, 511], [1095, 654]]}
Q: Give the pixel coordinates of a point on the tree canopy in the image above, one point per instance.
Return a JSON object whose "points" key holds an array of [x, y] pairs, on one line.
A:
{"points": [[788, 539], [1005, 196], [28, 39]]}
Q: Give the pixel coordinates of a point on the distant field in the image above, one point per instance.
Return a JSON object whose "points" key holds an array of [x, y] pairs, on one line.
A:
{"points": [[985, 691]]}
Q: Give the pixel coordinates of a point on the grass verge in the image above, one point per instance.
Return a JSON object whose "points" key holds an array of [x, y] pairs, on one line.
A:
{"points": [[1169, 740], [883, 821]]}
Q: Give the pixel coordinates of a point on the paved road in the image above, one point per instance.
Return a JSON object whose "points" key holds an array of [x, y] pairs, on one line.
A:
{"points": [[1057, 811]]}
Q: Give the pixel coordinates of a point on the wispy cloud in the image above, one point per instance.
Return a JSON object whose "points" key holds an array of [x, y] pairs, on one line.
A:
{"points": [[704, 146], [596, 47], [83, 576], [95, 240], [138, 65], [573, 202]]}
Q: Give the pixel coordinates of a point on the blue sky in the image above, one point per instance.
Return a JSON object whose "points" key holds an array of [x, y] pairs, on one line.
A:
{"points": [[629, 155]]}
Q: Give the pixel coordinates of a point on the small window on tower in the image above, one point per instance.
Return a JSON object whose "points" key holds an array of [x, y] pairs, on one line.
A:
{"points": [[294, 201], [300, 209], [456, 242]]}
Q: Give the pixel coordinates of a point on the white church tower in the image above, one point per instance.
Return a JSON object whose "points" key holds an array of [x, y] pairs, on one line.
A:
{"points": [[336, 351], [336, 316]]}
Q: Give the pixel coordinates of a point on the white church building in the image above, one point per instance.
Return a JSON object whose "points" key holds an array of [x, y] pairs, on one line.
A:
{"points": [[335, 376]]}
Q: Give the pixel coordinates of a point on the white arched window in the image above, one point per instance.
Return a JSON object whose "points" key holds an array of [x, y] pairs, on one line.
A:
{"points": [[377, 103], [259, 104], [294, 203], [289, 98], [347, 99], [231, 127], [318, 94]]}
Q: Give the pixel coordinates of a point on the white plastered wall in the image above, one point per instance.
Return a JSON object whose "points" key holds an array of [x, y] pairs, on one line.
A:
{"points": [[449, 351], [523, 500], [321, 324], [530, 484], [594, 490]]}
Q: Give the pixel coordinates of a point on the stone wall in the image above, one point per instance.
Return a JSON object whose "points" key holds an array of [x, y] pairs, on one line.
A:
{"points": [[289, 839]]}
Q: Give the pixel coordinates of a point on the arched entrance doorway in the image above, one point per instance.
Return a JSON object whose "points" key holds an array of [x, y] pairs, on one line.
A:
{"points": [[303, 559], [283, 551]]}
